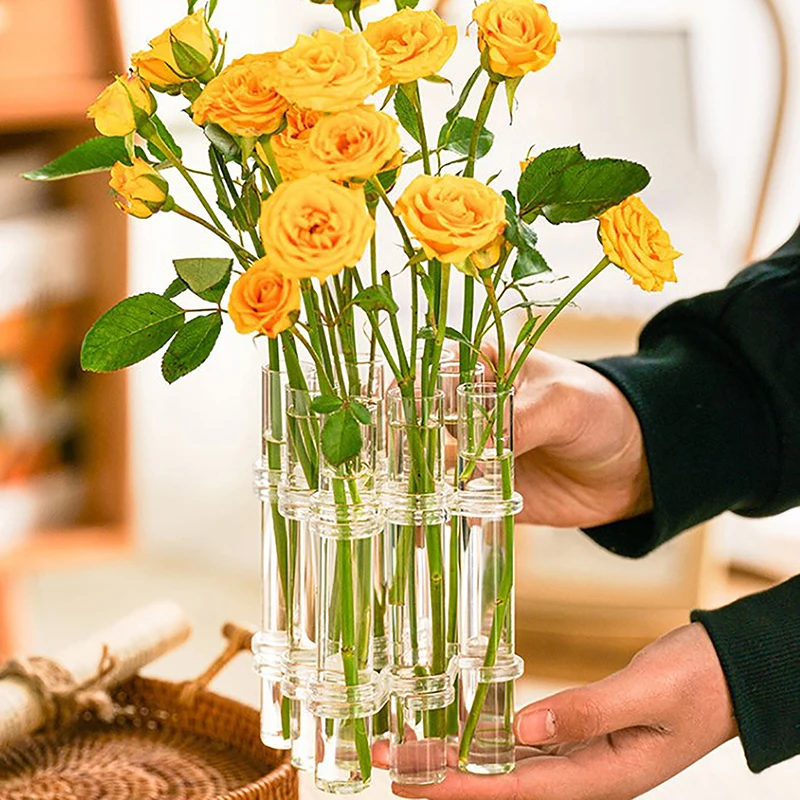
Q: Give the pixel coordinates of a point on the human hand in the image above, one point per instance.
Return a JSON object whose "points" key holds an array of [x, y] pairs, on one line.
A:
{"points": [[580, 455], [614, 739]]}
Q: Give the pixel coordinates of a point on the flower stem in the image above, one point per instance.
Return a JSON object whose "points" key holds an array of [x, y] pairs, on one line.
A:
{"points": [[483, 114], [550, 318], [240, 251]]}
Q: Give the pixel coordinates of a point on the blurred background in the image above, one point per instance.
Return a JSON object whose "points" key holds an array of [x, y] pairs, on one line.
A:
{"points": [[115, 490]]}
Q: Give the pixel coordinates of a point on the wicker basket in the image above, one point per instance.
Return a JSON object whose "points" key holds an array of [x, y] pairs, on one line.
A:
{"points": [[159, 746]]}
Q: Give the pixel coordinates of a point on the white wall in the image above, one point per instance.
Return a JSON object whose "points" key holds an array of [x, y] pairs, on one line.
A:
{"points": [[193, 443]]}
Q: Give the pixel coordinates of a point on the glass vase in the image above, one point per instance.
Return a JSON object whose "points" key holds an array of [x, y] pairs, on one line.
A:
{"points": [[486, 504], [349, 692], [299, 482], [271, 642], [421, 662]]}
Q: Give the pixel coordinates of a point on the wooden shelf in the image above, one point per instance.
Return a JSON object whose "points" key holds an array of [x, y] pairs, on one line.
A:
{"points": [[55, 58], [46, 103]]}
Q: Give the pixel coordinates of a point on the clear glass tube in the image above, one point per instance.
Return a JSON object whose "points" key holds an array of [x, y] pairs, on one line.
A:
{"points": [[347, 691], [485, 505], [421, 661], [270, 643]]}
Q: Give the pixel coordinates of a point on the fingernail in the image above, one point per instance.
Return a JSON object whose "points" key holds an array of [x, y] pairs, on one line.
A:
{"points": [[536, 726]]}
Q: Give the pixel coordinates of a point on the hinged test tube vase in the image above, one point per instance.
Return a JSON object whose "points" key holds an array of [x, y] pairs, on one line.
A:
{"points": [[422, 664], [271, 642], [349, 689], [486, 504], [299, 482]]}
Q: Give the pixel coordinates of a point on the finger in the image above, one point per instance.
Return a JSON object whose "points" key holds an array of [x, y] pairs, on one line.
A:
{"points": [[629, 698], [462, 785]]}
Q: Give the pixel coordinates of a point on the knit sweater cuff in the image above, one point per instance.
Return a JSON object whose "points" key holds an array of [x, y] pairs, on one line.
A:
{"points": [[692, 399], [757, 640]]}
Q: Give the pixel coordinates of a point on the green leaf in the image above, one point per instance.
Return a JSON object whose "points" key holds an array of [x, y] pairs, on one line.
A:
{"points": [[178, 286], [587, 190], [168, 138], [202, 274], [325, 404], [438, 79], [341, 437], [539, 181], [389, 96], [217, 291], [361, 413], [464, 96], [376, 298], [426, 333], [130, 331], [456, 136], [191, 346], [406, 115], [96, 155], [512, 84], [529, 262], [456, 335], [401, 4], [227, 146], [518, 232], [248, 207]]}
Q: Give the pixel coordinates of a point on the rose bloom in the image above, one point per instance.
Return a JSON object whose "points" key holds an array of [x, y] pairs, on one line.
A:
{"points": [[289, 145], [159, 66], [138, 190], [352, 145], [113, 111], [328, 71], [519, 35], [452, 217], [242, 100], [411, 45], [313, 228], [633, 239], [263, 300]]}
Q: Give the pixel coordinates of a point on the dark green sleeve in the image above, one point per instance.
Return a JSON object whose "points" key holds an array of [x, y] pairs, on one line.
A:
{"points": [[716, 388]]}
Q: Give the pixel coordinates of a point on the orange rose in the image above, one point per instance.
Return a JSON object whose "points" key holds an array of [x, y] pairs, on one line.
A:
{"points": [[289, 145], [519, 36], [264, 300], [352, 145], [313, 228], [183, 51], [633, 239], [138, 190], [328, 71], [114, 111], [242, 100], [452, 217], [411, 45]]}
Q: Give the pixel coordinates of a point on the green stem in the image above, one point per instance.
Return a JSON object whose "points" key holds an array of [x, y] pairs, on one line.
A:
{"points": [[480, 121], [407, 244], [550, 318], [234, 245], [416, 101], [273, 162]]}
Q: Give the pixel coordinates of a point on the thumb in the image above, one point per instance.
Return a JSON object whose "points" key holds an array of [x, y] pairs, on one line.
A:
{"points": [[575, 715]]}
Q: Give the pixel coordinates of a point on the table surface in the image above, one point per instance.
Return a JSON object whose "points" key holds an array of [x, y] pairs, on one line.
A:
{"points": [[65, 607]]}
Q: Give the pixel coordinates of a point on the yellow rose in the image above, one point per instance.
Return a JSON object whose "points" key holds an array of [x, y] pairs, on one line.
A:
{"points": [[352, 145], [182, 52], [452, 217], [113, 111], [519, 35], [313, 228], [486, 257], [633, 239], [328, 71], [138, 190], [263, 300], [242, 100], [290, 144], [411, 45]]}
